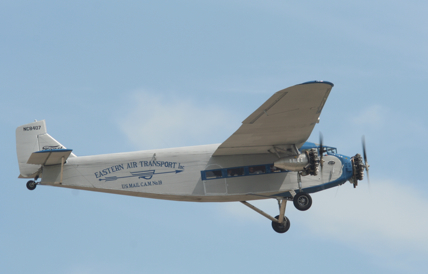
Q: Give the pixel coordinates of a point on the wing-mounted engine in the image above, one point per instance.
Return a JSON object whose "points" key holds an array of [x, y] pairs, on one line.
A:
{"points": [[307, 163]]}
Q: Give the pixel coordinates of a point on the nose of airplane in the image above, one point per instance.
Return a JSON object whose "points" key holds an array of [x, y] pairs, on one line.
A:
{"points": [[347, 166]]}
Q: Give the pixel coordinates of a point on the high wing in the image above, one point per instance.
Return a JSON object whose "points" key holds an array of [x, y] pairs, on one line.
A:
{"points": [[285, 121]]}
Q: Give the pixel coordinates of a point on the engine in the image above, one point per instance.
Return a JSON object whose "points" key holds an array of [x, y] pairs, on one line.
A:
{"points": [[358, 167], [307, 163]]}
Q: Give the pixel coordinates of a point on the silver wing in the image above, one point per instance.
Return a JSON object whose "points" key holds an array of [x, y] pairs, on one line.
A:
{"points": [[285, 120]]}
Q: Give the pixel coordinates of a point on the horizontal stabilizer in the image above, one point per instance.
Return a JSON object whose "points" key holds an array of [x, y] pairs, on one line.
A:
{"points": [[49, 157]]}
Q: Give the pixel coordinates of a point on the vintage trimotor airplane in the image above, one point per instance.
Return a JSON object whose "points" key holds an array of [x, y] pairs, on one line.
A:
{"points": [[266, 158]]}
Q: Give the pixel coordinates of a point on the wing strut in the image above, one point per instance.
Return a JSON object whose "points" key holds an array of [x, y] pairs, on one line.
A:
{"points": [[280, 223], [261, 211], [62, 169], [295, 149]]}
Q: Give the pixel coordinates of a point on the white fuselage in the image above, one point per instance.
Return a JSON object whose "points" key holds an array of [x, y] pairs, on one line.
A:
{"points": [[180, 174]]}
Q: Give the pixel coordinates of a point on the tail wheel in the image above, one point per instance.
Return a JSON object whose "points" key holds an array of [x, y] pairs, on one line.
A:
{"points": [[31, 185], [302, 201]]}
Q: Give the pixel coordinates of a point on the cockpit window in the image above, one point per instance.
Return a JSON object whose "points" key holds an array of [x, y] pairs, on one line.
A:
{"points": [[330, 150]]}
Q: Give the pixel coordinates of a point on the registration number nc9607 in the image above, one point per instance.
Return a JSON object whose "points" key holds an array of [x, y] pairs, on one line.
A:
{"points": [[32, 128]]}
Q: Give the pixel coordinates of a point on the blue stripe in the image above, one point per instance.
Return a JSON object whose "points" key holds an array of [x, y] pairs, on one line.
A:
{"points": [[318, 81], [53, 150]]}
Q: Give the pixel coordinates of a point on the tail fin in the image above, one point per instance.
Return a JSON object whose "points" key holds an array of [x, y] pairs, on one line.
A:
{"points": [[30, 138]]}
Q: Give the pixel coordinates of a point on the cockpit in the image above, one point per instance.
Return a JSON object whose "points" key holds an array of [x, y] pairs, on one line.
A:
{"points": [[329, 150], [326, 149]]}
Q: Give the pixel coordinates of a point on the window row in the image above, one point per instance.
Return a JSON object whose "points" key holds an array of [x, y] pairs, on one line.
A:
{"points": [[239, 171]]}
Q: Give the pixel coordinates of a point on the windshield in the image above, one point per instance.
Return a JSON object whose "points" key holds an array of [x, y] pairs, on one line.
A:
{"points": [[330, 150]]}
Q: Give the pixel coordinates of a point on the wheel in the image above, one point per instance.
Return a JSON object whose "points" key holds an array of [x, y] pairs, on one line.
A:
{"points": [[31, 185], [281, 228], [302, 201]]}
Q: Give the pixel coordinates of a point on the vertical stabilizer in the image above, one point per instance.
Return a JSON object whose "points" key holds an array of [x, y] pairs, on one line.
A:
{"points": [[30, 138]]}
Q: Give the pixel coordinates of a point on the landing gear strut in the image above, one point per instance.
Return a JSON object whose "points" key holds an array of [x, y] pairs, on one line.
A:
{"points": [[280, 223], [31, 185]]}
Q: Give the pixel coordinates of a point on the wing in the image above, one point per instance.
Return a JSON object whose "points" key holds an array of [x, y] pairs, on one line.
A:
{"points": [[284, 120]]}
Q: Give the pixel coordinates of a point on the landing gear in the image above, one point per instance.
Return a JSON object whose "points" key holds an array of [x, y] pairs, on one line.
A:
{"points": [[280, 223], [31, 185], [302, 201], [281, 227]]}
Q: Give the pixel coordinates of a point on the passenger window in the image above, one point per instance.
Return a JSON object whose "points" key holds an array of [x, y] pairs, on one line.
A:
{"points": [[257, 170], [231, 172], [213, 174]]}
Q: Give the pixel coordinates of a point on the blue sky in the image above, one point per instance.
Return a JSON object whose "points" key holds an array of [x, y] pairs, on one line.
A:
{"points": [[113, 77]]}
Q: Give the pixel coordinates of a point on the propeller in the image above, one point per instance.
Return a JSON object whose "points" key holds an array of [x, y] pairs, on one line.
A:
{"points": [[321, 150], [321, 155], [366, 164]]}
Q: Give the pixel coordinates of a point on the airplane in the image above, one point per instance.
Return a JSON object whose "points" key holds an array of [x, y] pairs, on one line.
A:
{"points": [[268, 157]]}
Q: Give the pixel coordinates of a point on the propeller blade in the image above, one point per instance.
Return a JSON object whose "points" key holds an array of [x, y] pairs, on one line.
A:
{"points": [[321, 150], [366, 164], [321, 156], [368, 178], [363, 141]]}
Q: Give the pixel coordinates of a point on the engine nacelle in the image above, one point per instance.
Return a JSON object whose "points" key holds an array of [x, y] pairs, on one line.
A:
{"points": [[293, 163], [307, 162]]}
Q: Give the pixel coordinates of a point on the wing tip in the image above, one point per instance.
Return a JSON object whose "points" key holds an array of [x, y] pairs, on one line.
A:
{"points": [[318, 81]]}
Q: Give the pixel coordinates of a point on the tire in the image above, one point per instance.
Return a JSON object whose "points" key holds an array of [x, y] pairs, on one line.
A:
{"points": [[302, 201], [31, 185], [281, 228]]}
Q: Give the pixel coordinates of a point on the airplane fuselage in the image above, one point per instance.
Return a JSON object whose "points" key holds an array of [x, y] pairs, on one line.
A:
{"points": [[192, 174], [266, 157]]}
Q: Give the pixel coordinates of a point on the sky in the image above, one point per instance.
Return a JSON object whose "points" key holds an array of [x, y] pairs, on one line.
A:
{"points": [[111, 76]]}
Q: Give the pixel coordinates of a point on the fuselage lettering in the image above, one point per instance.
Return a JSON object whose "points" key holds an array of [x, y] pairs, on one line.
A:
{"points": [[142, 184], [32, 128], [109, 170], [158, 164]]}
